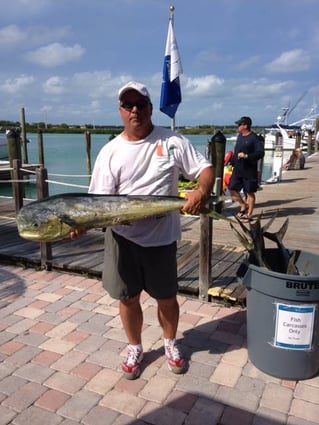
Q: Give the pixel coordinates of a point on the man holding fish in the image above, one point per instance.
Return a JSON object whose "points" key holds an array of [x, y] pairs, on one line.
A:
{"points": [[147, 160]]}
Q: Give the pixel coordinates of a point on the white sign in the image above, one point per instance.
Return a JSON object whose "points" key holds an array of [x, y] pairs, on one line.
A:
{"points": [[294, 326]]}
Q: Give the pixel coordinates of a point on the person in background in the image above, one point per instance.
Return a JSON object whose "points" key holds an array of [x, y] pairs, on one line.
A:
{"points": [[296, 161], [147, 160], [248, 150]]}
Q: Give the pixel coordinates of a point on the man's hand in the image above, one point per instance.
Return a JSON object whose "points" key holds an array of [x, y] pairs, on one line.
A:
{"points": [[195, 202], [242, 155], [77, 232]]}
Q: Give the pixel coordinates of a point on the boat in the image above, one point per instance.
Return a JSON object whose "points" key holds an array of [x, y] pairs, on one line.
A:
{"points": [[4, 154], [283, 134]]}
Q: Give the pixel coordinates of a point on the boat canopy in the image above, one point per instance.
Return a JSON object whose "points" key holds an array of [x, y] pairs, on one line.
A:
{"points": [[287, 127]]}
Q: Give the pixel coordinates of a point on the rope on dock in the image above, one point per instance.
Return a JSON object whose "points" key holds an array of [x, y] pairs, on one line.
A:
{"points": [[70, 175], [67, 184], [5, 217], [26, 170], [17, 181], [58, 175]]}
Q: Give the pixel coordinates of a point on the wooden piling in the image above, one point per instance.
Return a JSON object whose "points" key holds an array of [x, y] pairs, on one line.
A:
{"points": [[43, 192], [309, 143], [216, 155], [24, 139], [40, 148], [88, 152], [17, 185], [205, 254], [14, 145], [298, 140]]}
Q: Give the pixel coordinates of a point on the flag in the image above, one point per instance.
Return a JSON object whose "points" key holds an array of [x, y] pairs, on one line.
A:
{"points": [[171, 90]]}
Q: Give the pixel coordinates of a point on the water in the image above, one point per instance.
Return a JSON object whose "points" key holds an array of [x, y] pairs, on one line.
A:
{"points": [[66, 162]]}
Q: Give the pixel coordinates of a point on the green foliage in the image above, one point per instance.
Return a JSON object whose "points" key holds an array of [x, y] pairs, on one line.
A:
{"points": [[187, 185]]}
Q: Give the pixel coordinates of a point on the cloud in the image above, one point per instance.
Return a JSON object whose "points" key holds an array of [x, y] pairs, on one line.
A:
{"points": [[200, 86], [296, 60], [16, 85], [55, 54], [10, 37], [97, 84], [23, 7], [248, 62], [55, 86]]}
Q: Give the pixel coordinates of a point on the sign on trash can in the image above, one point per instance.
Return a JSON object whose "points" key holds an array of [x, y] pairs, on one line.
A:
{"points": [[294, 326]]}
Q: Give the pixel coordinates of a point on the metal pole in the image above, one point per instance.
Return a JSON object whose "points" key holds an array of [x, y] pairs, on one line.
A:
{"points": [[172, 9]]}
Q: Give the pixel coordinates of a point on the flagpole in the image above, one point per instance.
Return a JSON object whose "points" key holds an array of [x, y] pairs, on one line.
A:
{"points": [[172, 10], [171, 91]]}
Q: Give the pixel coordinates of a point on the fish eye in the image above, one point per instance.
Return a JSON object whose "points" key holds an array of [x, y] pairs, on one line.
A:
{"points": [[35, 225]]}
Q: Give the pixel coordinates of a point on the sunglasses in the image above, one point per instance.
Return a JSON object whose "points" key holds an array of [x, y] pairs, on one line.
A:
{"points": [[128, 106]]}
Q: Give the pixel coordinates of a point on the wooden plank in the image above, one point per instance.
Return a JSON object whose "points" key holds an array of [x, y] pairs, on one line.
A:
{"points": [[183, 260]]}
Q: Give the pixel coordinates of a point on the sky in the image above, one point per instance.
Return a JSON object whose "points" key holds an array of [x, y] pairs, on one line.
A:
{"points": [[64, 61]]}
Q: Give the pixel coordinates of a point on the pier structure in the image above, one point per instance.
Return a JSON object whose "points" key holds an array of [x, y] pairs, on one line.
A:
{"points": [[62, 343], [294, 197]]}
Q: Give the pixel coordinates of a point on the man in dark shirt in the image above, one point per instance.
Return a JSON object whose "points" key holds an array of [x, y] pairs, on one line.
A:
{"points": [[248, 150]]}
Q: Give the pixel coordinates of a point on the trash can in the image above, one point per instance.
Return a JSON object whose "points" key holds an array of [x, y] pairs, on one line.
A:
{"points": [[282, 317]]}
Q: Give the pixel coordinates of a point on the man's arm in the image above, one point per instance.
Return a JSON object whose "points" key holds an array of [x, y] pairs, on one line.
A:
{"points": [[197, 198]]}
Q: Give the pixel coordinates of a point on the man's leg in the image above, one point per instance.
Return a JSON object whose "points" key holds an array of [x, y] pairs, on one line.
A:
{"points": [[168, 315], [237, 197], [251, 204], [132, 318]]}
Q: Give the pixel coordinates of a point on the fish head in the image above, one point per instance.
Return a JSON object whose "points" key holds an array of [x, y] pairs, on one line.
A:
{"points": [[42, 225]]}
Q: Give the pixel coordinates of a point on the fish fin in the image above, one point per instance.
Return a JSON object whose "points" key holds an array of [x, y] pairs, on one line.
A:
{"points": [[279, 235], [69, 221], [243, 239], [245, 229], [216, 215], [292, 268], [270, 221]]}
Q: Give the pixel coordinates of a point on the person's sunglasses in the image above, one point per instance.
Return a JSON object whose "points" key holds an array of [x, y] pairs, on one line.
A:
{"points": [[128, 106]]}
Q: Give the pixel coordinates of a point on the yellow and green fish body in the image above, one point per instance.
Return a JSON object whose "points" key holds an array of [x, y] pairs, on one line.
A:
{"points": [[55, 217]]}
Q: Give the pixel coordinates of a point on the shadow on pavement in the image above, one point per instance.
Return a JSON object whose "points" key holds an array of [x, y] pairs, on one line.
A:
{"points": [[196, 400], [11, 287]]}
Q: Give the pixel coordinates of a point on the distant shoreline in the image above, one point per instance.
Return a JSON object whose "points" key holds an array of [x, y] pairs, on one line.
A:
{"points": [[65, 129]]}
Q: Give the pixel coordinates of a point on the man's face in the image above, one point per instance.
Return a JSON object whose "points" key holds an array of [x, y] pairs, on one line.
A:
{"points": [[135, 109], [242, 128]]}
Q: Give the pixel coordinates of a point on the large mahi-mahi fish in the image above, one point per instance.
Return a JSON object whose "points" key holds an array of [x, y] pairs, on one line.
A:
{"points": [[55, 217]]}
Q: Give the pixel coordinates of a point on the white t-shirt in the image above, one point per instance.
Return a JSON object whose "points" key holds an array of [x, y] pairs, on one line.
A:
{"points": [[147, 167]]}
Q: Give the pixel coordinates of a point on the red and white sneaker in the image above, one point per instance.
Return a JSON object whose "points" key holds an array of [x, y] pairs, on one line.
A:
{"points": [[131, 365], [175, 361]]}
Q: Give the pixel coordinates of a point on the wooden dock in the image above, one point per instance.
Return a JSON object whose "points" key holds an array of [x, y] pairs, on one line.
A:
{"points": [[296, 197]]}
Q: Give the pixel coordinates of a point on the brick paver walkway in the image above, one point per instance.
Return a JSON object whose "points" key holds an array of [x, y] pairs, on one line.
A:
{"points": [[62, 345]]}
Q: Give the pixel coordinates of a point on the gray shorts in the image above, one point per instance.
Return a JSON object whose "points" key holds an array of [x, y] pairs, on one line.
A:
{"points": [[130, 268]]}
